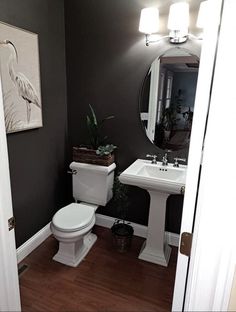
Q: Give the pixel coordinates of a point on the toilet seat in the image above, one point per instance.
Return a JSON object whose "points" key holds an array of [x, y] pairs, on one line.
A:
{"points": [[74, 217]]}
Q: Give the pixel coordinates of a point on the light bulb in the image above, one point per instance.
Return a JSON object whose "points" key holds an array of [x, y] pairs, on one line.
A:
{"points": [[149, 20]]}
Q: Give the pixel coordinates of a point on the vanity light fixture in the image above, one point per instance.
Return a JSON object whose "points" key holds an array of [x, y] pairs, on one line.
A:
{"points": [[149, 20], [178, 22], [202, 15]]}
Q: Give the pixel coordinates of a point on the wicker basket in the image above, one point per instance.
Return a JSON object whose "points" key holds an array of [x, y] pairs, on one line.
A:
{"points": [[89, 156]]}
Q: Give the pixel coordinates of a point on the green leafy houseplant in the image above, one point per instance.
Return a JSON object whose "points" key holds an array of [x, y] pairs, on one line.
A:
{"points": [[168, 118], [122, 231], [169, 115], [97, 152], [94, 129], [105, 149], [179, 100]]}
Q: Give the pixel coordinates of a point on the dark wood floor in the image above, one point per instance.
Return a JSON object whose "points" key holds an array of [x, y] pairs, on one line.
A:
{"points": [[105, 281]]}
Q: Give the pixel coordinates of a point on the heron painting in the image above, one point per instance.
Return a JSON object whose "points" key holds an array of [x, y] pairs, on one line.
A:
{"points": [[19, 59]]}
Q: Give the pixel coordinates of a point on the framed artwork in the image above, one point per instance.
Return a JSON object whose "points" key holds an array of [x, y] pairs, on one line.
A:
{"points": [[20, 75]]}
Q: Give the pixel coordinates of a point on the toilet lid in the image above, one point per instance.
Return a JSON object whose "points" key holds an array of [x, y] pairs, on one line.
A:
{"points": [[74, 217]]}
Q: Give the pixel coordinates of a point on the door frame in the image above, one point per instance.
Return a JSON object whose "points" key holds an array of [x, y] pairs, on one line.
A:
{"points": [[9, 282], [212, 261], [213, 258]]}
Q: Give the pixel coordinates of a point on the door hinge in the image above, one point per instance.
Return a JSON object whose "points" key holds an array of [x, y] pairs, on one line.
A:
{"points": [[11, 223], [186, 243]]}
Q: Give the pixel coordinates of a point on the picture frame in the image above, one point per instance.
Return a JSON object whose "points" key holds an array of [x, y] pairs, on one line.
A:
{"points": [[20, 75]]}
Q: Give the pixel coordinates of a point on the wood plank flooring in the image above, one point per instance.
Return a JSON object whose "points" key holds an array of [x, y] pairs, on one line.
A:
{"points": [[105, 281]]}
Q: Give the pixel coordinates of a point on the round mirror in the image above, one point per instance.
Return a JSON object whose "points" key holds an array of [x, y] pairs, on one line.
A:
{"points": [[167, 99]]}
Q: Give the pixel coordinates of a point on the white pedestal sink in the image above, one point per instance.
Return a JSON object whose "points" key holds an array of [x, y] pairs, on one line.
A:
{"points": [[160, 181]]}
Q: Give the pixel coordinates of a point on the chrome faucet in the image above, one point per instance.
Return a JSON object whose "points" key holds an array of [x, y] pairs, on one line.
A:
{"points": [[176, 161], [165, 160], [154, 158]]}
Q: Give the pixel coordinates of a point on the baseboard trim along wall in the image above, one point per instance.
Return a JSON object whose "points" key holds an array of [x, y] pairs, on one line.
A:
{"points": [[32, 243], [139, 230], [105, 221]]}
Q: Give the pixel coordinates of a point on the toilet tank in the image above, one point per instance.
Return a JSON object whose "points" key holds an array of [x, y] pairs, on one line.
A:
{"points": [[91, 183]]}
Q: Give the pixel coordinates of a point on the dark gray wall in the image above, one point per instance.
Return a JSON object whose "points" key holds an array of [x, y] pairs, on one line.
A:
{"points": [[38, 157], [107, 61]]}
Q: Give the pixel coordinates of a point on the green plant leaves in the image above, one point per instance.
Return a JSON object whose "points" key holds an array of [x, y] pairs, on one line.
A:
{"points": [[94, 118], [105, 149], [94, 127]]}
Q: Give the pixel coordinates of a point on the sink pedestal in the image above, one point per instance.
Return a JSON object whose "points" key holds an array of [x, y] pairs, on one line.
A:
{"points": [[155, 249], [160, 181]]}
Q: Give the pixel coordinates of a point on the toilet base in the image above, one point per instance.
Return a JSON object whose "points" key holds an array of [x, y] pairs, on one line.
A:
{"points": [[72, 254]]}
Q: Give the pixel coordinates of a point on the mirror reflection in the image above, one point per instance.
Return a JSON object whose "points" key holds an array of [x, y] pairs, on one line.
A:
{"points": [[167, 99]]}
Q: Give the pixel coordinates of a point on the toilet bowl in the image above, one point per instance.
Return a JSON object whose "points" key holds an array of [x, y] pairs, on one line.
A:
{"points": [[72, 224]]}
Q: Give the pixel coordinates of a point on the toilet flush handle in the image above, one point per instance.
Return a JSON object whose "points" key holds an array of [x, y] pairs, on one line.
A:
{"points": [[72, 171]]}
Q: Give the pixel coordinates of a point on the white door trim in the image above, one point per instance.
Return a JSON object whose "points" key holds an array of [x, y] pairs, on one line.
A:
{"points": [[9, 283], [212, 261], [196, 143]]}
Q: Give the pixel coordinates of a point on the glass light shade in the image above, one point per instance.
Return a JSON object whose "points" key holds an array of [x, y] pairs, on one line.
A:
{"points": [[149, 20], [179, 16], [202, 15]]}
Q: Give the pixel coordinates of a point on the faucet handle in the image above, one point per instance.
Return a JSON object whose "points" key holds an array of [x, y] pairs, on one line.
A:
{"points": [[154, 158], [165, 160], [176, 161], [72, 171]]}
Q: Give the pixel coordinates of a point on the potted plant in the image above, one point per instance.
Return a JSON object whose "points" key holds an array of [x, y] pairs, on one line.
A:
{"points": [[97, 152], [178, 101], [168, 121], [188, 117], [122, 231]]}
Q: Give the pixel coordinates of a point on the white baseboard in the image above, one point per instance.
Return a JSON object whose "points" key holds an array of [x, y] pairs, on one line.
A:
{"points": [[139, 230], [172, 239], [105, 221], [32, 243]]}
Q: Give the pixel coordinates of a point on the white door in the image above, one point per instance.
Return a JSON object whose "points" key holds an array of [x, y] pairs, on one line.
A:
{"points": [[213, 256], [202, 98], [9, 284], [213, 259]]}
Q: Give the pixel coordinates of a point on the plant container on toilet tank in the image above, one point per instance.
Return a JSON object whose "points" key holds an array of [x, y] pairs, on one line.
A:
{"points": [[97, 152], [122, 231]]}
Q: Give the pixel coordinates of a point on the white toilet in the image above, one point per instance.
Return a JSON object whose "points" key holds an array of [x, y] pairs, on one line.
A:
{"points": [[72, 224]]}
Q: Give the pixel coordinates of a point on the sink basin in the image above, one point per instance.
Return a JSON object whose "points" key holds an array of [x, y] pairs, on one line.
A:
{"points": [[160, 181], [167, 179]]}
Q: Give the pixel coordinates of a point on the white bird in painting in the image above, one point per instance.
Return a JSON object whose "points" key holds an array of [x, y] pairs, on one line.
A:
{"points": [[24, 87]]}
